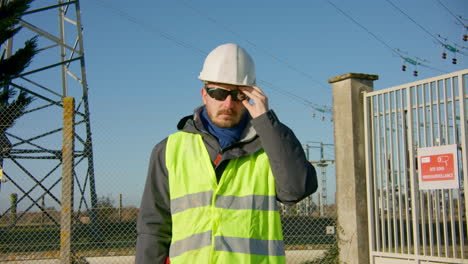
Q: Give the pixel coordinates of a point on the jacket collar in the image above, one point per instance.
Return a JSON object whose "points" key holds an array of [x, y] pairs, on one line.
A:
{"points": [[193, 124]]}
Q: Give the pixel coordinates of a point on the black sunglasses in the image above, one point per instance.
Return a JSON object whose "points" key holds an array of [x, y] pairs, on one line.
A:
{"points": [[221, 94]]}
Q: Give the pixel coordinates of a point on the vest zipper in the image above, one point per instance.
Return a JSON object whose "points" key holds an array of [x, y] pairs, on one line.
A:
{"points": [[218, 159]]}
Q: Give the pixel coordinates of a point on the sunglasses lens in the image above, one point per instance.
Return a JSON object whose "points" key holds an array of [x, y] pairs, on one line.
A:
{"points": [[218, 94], [240, 96], [221, 94]]}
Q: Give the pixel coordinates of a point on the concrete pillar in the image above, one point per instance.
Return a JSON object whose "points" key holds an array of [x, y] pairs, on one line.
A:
{"points": [[68, 148], [351, 199]]}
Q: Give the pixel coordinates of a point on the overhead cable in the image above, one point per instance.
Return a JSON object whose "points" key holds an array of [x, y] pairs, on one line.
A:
{"points": [[363, 27], [316, 107], [186, 45], [151, 28], [394, 51], [414, 21], [448, 10], [280, 60]]}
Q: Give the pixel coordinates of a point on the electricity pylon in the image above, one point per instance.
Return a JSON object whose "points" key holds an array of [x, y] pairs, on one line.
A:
{"points": [[322, 165], [33, 156]]}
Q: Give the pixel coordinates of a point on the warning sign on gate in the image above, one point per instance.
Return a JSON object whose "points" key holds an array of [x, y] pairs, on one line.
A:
{"points": [[438, 167]]}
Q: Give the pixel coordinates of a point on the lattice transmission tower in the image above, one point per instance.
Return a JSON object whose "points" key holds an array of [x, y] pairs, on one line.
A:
{"points": [[321, 165], [31, 155]]}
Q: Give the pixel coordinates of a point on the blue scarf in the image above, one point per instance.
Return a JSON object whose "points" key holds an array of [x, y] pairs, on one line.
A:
{"points": [[225, 136]]}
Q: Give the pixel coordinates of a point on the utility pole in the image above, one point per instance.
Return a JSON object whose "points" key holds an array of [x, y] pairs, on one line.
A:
{"points": [[322, 165]]}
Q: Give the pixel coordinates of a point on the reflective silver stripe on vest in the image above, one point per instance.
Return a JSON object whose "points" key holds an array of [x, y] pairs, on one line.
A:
{"points": [[250, 246], [192, 242], [249, 202], [189, 201]]}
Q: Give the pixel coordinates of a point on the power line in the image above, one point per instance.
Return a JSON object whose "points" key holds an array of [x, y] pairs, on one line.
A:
{"points": [[363, 27], [322, 109], [394, 51], [416, 61], [444, 44], [448, 10], [316, 107], [280, 60], [151, 28], [187, 45], [459, 19], [414, 21]]}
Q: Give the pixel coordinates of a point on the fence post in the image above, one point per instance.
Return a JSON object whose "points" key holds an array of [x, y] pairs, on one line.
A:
{"points": [[120, 207], [13, 207], [351, 199], [67, 180]]}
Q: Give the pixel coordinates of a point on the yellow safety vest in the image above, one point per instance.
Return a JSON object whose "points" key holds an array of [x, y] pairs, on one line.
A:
{"points": [[233, 221]]}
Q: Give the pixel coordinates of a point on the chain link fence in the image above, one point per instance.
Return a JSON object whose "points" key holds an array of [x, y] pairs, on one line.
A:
{"points": [[66, 203], [34, 219], [29, 237], [32, 223], [71, 196]]}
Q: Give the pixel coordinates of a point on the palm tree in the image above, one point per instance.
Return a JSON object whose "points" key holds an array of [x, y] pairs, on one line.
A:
{"points": [[10, 111], [12, 108]]}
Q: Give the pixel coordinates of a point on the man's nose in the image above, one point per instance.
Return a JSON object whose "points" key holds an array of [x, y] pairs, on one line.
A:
{"points": [[228, 101]]}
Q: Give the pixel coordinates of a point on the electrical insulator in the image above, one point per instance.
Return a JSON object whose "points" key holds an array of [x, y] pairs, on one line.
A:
{"points": [[454, 60], [465, 37], [444, 55], [403, 67], [415, 73]]}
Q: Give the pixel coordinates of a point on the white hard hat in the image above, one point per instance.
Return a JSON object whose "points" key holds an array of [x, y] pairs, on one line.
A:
{"points": [[229, 64]]}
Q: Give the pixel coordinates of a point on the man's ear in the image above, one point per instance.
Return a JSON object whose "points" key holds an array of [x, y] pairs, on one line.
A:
{"points": [[203, 94]]}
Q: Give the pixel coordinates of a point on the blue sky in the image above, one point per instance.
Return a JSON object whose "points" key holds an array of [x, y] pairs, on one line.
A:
{"points": [[143, 59]]}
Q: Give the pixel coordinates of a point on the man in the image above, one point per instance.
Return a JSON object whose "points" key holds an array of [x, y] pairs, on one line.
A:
{"points": [[212, 188]]}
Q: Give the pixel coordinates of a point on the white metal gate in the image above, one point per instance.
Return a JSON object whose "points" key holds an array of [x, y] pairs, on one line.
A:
{"points": [[406, 224]]}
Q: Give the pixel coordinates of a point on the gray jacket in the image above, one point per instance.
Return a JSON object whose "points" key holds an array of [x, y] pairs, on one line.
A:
{"points": [[295, 176]]}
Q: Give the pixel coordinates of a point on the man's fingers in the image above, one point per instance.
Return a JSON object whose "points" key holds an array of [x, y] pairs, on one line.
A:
{"points": [[259, 104], [247, 105], [253, 91]]}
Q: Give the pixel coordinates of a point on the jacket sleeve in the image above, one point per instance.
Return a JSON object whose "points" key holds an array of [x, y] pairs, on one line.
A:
{"points": [[154, 224], [295, 177]]}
